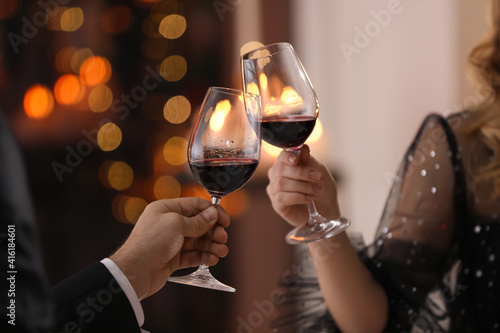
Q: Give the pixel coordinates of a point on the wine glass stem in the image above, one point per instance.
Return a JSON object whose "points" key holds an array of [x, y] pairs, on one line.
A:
{"points": [[311, 207], [205, 258], [313, 212]]}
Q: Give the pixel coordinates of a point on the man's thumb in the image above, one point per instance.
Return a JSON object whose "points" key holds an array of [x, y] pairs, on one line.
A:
{"points": [[201, 223]]}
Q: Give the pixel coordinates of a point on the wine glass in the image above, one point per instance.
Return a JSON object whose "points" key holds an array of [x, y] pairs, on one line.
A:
{"points": [[223, 153], [289, 112]]}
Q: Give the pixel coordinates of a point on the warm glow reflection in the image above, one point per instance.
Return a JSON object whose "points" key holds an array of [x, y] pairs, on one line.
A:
{"points": [[79, 57], [68, 90], [270, 149], [116, 19], [38, 102], [172, 26], [134, 208], [109, 137], [72, 19], [175, 150], [100, 98], [167, 187], [120, 175], [317, 132], [177, 109], [173, 68], [290, 97], [254, 88], [221, 110], [263, 81], [95, 70]]}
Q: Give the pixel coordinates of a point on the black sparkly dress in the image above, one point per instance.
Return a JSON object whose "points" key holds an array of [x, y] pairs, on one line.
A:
{"points": [[437, 248]]}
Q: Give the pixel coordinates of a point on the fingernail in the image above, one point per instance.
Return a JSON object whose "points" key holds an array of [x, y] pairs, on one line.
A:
{"points": [[292, 158], [209, 214], [317, 188], [316, 175], [309, 197]]}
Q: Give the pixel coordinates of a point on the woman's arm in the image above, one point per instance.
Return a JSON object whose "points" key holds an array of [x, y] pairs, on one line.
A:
{"points": [[355, 300]]}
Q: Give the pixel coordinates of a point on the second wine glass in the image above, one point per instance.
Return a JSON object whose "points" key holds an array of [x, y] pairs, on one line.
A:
{"points": [[223, 153], [289, 112]]}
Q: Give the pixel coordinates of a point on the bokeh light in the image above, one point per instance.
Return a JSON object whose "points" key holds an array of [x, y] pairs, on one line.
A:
{"points": [[174, 150], [116, 19], [120, 176], [118, 207], [69, 90], [100, 98], [235, 203], [38, 102], [177, 109], [79, 57], [109, 137], [72, 19], [134, 208], [151, 25], [172, 26], [173, 68], [166, 187], [53, 16], [95, 70], [63, 59]]}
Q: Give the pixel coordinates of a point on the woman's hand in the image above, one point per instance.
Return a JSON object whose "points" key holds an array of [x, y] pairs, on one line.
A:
{"points": [[296, 180]]}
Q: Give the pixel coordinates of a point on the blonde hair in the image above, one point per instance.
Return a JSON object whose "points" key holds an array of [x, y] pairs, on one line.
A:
{"points": [[484, 71]]}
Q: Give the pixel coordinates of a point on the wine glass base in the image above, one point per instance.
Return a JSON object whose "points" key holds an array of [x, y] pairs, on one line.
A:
{"points": [[201, 278], [320, 229]]}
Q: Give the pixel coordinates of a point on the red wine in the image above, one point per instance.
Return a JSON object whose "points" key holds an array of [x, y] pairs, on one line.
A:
{"points": [[286, 132], [222, 176]]}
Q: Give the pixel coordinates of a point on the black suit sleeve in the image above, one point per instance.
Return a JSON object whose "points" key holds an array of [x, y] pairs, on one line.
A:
{"points": [[25, 295], [92, 301]]}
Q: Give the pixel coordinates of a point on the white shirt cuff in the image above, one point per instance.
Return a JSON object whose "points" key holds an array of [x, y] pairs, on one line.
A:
{"points": [[127, 288]]}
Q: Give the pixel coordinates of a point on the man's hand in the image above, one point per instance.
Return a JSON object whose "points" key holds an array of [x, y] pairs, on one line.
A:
{"points": [[168, 236]]}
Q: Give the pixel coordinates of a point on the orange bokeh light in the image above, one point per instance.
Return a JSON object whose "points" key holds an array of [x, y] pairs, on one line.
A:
{"points": [[95, 70], [68, 90], [38, 102]]}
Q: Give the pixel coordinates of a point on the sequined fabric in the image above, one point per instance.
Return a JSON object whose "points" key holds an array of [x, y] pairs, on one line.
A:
{"points": [[437, 248]]}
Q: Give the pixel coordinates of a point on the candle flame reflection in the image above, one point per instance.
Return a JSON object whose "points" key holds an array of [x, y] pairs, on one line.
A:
{"points": [[221, 110]]}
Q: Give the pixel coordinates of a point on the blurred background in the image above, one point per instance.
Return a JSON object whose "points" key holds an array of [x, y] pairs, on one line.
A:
{"points": [[102, 94]]}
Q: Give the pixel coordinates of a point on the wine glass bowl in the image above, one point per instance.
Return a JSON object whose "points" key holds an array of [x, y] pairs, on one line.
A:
{"points": [[223, 154], [289, 103], [289, 111]]}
